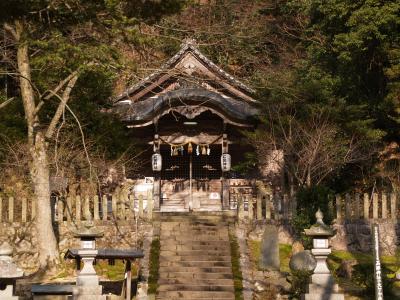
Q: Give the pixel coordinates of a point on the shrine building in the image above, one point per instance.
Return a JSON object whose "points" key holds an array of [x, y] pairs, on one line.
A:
{"points": [[192, 114]]}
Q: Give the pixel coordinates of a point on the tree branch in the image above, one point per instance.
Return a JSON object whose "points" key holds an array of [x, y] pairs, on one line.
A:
{"points": [[53, 92], [4, 104], [61, 107], [11, 30]]}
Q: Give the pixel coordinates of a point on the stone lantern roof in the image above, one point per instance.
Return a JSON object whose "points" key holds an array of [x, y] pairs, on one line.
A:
{"points": [[88, 231], [8, 269], [319, 229]]}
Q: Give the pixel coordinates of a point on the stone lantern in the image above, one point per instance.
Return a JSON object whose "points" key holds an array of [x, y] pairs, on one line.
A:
{"points": [[87, 282], [322, 284], [9, 272]]}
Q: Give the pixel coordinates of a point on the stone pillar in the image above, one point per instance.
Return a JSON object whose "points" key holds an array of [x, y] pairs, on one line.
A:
{"points": [[224, 180], [225, 193], [322, 284], [156, 191]]}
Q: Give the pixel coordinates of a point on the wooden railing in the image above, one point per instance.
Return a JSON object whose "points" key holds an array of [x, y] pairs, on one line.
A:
{"points": [[80, 208], [349, 207]]}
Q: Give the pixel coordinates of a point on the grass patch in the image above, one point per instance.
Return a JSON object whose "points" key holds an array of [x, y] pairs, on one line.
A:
{"points": [[115, 272], [284, 255], [154, 265], [237, 273]]}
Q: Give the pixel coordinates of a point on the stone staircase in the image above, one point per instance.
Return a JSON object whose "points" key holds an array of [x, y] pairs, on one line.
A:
{"points": [[195, 258]]}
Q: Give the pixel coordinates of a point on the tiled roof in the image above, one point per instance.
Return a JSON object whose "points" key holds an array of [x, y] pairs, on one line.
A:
{"points": [[189, 45]]}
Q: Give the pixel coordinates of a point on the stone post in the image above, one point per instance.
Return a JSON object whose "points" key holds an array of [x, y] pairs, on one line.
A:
{"points": [[9, 272], [259, 206], [322, 284]]}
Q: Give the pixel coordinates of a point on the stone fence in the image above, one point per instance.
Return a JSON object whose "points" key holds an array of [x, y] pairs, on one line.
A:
{"points": [[347, 208], [74, 209]]}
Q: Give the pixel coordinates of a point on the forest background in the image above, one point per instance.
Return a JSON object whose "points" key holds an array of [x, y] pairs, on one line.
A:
{"points": [[326, 75]]}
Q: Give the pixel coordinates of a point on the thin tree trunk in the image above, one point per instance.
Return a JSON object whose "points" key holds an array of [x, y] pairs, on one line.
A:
{"points": [[39, 166]]}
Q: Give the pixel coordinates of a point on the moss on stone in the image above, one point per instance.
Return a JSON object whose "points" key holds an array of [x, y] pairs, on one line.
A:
{"points": [[154, 265], [237, 273]]}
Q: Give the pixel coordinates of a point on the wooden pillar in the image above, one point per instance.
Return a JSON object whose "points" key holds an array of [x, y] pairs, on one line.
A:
{"points": [[240, 207], [131, 207], [338, 208], [33, 213], [24, 210], [357, 206], [140, 205], [348, 207], [268, 207], [88, 215], [11, 209], [250, 206], [78, 209], [277, 204], [114, 205], [96, 215], [259, 206], [384, 206], [366, 206], [1, 209], [375, 203], [393, 206], [149, 205], [69, 209], [104, 206]]}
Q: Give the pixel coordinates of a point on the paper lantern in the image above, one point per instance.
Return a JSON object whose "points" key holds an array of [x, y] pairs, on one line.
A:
{"points": [[156, 162], [226, 162]]}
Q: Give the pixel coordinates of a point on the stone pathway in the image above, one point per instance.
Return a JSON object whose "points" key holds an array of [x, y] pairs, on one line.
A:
{"points": [[195, 258]]}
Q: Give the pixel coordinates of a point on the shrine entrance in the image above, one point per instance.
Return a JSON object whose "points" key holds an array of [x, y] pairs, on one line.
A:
{"points": [[191, 181]]}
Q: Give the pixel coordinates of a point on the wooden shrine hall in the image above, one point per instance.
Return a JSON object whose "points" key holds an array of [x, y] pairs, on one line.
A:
{"points": [[194, 114]]}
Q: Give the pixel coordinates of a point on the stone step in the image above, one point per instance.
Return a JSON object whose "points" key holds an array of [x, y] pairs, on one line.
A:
{"points": [[196, 275], [194, 243], [194, 238], [197, 247], [193, 281], [222, 252], [195, 269], [200, 264], [195, 295], [192, 258], [196, 287]]}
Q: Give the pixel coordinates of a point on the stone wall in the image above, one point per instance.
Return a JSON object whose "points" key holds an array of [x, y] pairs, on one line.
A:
{"points": [[22, 237], [356, 236], [350, 236]]}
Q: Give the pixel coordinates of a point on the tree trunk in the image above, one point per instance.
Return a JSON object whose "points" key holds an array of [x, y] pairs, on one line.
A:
{"points": [[39, 166], [40, 175]]}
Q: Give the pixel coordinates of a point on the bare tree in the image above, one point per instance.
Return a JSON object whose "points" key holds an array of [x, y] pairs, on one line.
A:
{"points": [[313, 147]]}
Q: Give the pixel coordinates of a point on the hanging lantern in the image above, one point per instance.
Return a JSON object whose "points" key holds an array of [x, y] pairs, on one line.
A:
{"points": [[156, 162], [226, 162], [203, 150]]}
